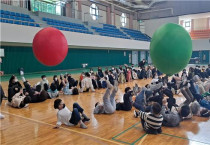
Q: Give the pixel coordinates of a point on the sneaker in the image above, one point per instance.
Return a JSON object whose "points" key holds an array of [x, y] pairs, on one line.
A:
{"points": [[4, 98], [85, 116], [21, 71], [1, 116], [82, 125], [135, 114], [70, 124], [85, 120]]}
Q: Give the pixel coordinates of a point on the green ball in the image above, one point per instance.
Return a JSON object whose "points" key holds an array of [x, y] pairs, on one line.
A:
{"points": [[171, 48]]}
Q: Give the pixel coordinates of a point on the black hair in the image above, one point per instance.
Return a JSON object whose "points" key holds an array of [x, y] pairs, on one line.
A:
{"points": [[57, 103], [185, 111], [87, 74], [46, 87], [147, 85], [43, 76], [61, 77], [11, 78], [53, 87], [38, 88], [55, 76], [75, 91], [127, 89], [156, 108], [96, 104]]}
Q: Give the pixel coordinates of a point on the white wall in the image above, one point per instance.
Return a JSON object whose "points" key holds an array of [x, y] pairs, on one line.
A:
{"points": [[200, 24], [153, 24], [103, 14], [201, 44], [86, 17], [135, 25], [25, 34]]}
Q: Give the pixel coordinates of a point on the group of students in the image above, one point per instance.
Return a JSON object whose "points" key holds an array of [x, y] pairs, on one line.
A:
{"points": [[154, 103]]}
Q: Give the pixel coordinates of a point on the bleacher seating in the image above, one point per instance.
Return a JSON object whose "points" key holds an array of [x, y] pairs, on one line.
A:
{"points": [[17, 18], [110, 31], [67, 26], [136, 35], [200, 34]]}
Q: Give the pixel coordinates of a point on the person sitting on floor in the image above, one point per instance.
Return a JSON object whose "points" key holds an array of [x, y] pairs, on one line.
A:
{"points": [[52, 91], [65, 116], [36, 95], [19, 100], [56, 81], [72, 81], [43, 81], [13, 83], [152, 121], [127, 98], [109, 105], [87, 84]]}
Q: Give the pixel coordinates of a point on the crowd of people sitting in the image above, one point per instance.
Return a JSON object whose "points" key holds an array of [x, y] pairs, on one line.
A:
{"points": [[154, 103]]}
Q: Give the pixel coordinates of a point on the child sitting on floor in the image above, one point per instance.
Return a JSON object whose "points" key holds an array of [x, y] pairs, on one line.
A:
{"points": [[152, 121]]}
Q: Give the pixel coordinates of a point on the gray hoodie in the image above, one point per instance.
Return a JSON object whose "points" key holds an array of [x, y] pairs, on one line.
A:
{"points": [[170, 119]]}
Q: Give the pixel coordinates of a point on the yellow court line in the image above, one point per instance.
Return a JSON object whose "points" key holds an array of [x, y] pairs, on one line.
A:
{"points": [[63, 128], [142, 139]]}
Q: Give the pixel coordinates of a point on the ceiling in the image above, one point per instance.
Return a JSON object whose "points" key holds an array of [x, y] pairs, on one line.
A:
{"points": [[136, 4]]}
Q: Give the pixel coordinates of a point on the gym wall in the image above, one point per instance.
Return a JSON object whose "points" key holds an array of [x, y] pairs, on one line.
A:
{"points": [[19, 56]]}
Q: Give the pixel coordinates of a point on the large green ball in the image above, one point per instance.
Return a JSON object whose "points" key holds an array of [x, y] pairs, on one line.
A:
{"points": [[171, 48]]}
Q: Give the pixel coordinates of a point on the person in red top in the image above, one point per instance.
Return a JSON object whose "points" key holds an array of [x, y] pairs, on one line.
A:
{"points": [[81, 78]]}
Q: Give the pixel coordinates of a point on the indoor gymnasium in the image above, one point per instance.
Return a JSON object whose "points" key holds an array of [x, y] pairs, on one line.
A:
{"points": [[105, 72]]}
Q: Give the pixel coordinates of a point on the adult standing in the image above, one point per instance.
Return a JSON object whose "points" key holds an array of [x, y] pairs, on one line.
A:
{"points": [[142, 63]]}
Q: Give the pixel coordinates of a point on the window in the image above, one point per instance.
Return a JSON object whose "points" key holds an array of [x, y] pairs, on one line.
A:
{"points": [[187, 25], [123, 19], [58, 8], [94, 11]]}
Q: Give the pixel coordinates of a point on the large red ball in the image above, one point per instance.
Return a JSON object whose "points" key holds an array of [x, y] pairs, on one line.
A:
{"points": [[50, 46]]}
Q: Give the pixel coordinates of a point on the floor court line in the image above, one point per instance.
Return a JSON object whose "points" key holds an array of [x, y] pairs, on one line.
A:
{"points": [[184, 138], [142, 139], [71, 130], [133, 126]]}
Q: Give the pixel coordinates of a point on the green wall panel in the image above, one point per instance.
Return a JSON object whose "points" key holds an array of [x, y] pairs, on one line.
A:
{"points": [[16, 57]]}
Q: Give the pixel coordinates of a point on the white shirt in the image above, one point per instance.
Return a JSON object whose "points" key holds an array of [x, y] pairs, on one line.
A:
{"points": [[16, 100], [64, 116], [87, 82]]}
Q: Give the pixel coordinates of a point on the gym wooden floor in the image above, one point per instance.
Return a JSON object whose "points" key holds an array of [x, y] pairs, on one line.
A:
{"points": [[34, 125]]}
